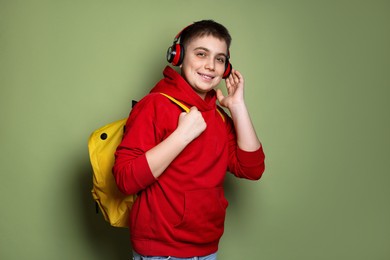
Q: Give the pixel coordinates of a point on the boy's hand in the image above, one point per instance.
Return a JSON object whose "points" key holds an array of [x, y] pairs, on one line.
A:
{"points": [[191, 124], [235, 90]]}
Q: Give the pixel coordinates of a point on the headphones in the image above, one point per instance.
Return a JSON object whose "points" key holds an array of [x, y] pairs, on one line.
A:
{"points": [[175, 55]]}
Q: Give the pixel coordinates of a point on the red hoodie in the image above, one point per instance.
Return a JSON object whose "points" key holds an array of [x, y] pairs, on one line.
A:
{"points": [[182, 212]]}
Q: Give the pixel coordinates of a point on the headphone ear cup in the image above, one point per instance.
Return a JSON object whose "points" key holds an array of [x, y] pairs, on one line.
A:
{"points": [[179, 55], [170, 54], [228, 70], [175, 54]]}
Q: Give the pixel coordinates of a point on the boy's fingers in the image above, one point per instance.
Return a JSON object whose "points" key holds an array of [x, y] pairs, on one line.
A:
{"points": [[219, 95], [193, 108]]}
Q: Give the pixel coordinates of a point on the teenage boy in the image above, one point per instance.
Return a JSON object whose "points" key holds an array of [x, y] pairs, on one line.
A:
{"points": [[176, 161]]}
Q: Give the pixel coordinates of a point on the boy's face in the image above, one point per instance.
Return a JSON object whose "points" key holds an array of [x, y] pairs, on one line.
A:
{"points": [[204, 63]]}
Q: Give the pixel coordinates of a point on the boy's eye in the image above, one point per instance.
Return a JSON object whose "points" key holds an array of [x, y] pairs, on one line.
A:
{"points": [[201, 54], [221, 59]]}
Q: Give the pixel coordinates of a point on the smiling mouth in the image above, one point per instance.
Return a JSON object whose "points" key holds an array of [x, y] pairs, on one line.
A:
{"points": [[205, 76]]}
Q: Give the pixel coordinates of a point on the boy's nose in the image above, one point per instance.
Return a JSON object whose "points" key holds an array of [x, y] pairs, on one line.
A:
{"points": [[210, 64]]}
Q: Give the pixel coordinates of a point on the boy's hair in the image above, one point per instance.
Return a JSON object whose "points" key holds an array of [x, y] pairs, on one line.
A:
{"points": [[205, 28]]}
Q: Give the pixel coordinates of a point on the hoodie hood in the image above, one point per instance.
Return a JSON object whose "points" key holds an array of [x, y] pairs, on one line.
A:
{"points": [[176, 86]]}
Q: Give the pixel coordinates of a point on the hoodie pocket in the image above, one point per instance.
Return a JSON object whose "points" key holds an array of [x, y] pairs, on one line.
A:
{"points": [[204, 216]]}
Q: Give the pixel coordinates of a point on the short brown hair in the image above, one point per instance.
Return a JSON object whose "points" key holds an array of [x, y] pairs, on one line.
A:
{"points": [[205, 28]]}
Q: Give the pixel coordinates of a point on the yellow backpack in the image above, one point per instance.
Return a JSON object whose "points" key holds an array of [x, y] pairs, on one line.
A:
{"points": [[102, 145]]}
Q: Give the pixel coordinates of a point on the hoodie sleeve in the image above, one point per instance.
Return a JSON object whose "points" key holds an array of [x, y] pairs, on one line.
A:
{"points": [[131, 170], [244, 164]]}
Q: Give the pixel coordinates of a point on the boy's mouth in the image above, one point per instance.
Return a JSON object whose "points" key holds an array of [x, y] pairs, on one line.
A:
{"points": [[205, 76]]}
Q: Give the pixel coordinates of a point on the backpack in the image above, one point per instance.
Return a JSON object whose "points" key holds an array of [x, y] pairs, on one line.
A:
{"points": [[102, 145]]}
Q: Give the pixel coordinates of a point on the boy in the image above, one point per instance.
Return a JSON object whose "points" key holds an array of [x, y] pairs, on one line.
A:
{"points": [[176, 161]]}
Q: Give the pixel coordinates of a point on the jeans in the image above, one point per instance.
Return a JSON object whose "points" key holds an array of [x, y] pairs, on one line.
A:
{"points": [[136, 256]]}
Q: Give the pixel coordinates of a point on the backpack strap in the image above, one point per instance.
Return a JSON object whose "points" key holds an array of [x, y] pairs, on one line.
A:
{"points": [[177, 102], [220, 113], [185, 108]]}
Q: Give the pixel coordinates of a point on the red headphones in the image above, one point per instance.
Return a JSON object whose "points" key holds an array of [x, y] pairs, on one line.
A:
{"points": [[175, 55]]}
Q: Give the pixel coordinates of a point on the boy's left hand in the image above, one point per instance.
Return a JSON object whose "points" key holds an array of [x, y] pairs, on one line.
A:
{"points": [[235, 90]]}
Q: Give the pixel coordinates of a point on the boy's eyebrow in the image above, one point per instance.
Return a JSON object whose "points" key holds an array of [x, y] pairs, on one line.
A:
{"points": [[205, 49]]}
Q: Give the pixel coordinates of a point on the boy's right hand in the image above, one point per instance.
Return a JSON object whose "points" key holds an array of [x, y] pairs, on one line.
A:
{"points": [[191, 124]]}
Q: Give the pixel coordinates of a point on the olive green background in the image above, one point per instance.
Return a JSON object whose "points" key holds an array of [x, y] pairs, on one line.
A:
{"points": [[317, 85]]}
